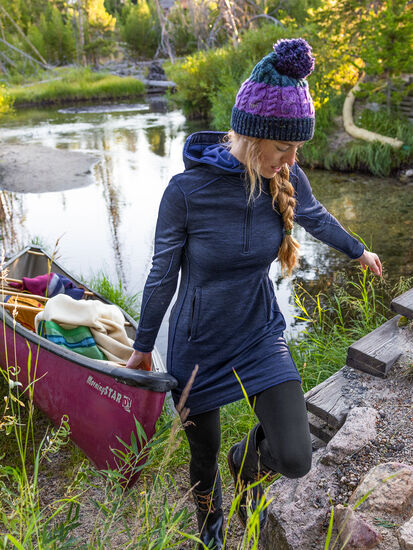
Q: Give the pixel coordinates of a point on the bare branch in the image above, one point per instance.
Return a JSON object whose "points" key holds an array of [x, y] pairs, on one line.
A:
{"points": [[265, 16], [24, 54]]}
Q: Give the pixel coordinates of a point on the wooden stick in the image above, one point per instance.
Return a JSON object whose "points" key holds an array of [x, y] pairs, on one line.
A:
{"points": [[15, 293], [19, 306], [35, 253], [24, 36], [22, 53], [361, 133]]}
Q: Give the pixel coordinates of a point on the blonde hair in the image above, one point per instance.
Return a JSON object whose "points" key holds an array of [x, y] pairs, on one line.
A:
{"points": [[282, 193]]}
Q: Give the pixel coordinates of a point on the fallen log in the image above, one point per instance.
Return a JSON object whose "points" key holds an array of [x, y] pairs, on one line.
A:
{"points": [[361, 133]]}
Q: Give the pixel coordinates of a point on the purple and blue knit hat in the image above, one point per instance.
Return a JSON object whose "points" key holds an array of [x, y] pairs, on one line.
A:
{"points": [[274, 102]]}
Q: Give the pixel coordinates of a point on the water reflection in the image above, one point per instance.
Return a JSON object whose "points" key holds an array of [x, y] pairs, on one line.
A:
{"points": [[110, 224], [156, 139], [11, 217]]}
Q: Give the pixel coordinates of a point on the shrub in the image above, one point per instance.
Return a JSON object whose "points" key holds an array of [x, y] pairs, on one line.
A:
{"points": [[204, 77], [53, 38], [141, 29]]}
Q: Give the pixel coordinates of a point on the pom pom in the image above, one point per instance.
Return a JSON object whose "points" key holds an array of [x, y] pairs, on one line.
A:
{"points": [[294, 57]]}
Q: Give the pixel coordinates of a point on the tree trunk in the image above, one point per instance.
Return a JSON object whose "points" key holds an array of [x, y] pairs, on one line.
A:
{"points": [[81, 32], [226, 10], [164, 33]]}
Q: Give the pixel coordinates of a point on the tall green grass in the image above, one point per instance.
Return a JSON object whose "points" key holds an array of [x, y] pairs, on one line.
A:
{"points": [[115, 292], [75, 85]]}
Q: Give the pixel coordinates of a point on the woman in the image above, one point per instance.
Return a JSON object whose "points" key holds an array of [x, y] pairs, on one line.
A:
{"points": [[222, 222]]}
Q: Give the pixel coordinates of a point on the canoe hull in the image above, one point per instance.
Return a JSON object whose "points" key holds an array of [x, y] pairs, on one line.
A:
{"points": [[100, 399], [100, 409]]}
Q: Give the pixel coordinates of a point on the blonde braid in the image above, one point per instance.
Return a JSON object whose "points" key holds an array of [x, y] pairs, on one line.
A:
{"points": [[282, 192]]}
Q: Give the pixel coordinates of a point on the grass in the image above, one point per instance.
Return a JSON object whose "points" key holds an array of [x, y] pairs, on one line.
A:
{"points": [[115, 292], [155, 513], [76, 84]]}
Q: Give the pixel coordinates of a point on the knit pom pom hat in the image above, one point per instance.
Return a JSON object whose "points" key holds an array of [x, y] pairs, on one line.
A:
{"points": [[274, 102]]}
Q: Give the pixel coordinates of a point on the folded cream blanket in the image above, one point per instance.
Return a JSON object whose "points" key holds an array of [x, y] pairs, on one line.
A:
{"points": [[106, 323]]}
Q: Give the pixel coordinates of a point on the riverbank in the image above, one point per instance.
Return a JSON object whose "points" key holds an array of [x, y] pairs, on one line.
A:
{"points": [[73, 84], [331, 148]]}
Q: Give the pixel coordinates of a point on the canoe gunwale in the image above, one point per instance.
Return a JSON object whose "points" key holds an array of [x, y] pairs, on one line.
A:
{"points": [[153, 381]]}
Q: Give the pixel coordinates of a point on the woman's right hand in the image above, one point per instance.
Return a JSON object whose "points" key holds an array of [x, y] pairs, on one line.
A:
{"points": [[139, 360]]}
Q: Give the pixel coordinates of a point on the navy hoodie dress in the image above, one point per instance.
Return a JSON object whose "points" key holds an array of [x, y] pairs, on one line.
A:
{"points": [[226, 317]]}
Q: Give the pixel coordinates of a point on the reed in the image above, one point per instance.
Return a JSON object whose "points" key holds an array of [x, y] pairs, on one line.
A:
{"points": [[352, 309]]}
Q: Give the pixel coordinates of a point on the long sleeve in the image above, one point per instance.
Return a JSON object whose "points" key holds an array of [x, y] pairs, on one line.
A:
{"points": [[315, 219], [170, 238]]}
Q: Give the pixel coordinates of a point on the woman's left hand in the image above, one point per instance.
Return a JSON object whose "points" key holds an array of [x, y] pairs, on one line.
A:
{"points": [[371, 260]]}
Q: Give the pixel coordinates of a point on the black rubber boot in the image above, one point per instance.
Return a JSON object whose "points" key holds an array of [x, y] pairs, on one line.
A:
{"points": [[210, 516], [246, 467]]}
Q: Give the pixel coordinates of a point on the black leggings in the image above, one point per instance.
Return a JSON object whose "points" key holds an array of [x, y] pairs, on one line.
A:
{"points": [[285, 435]]}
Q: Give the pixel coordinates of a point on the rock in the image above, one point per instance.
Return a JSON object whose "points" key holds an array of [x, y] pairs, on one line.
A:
{"points": [[373, 106], [298, 512], [392, 495], [406, 176], [358, 429], [405, 535], [156, 71], [355, 530]]}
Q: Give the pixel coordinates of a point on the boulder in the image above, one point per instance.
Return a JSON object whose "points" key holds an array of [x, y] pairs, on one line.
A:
{"points": [[299, 509], [405, 535], [355, 530], [358, 429], [391, 490]]}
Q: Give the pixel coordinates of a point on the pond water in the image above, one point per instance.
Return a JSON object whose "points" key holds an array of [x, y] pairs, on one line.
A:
{"points": [[109, 225]]}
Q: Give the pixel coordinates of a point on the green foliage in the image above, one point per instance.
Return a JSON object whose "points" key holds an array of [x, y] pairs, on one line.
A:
{"points": [[141, 30], [53, 38], [200, 77], [5, 101], [78, 84], [115, 292], [181, 31], [99, 29], [296, 10], [375, 37]]}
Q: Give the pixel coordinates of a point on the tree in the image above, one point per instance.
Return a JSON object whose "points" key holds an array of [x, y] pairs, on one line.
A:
{"points": [[100, 26], [53, 37], [141, 28], [375, 36]]}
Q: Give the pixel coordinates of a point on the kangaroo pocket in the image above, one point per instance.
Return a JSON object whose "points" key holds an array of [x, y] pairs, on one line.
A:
{"points": [[220, 314]]}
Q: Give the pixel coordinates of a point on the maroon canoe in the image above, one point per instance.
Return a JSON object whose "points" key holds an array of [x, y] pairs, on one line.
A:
{"points": [[100, 400]]}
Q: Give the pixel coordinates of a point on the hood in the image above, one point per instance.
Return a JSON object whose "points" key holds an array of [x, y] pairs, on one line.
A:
{"points": [[207, 148]]}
